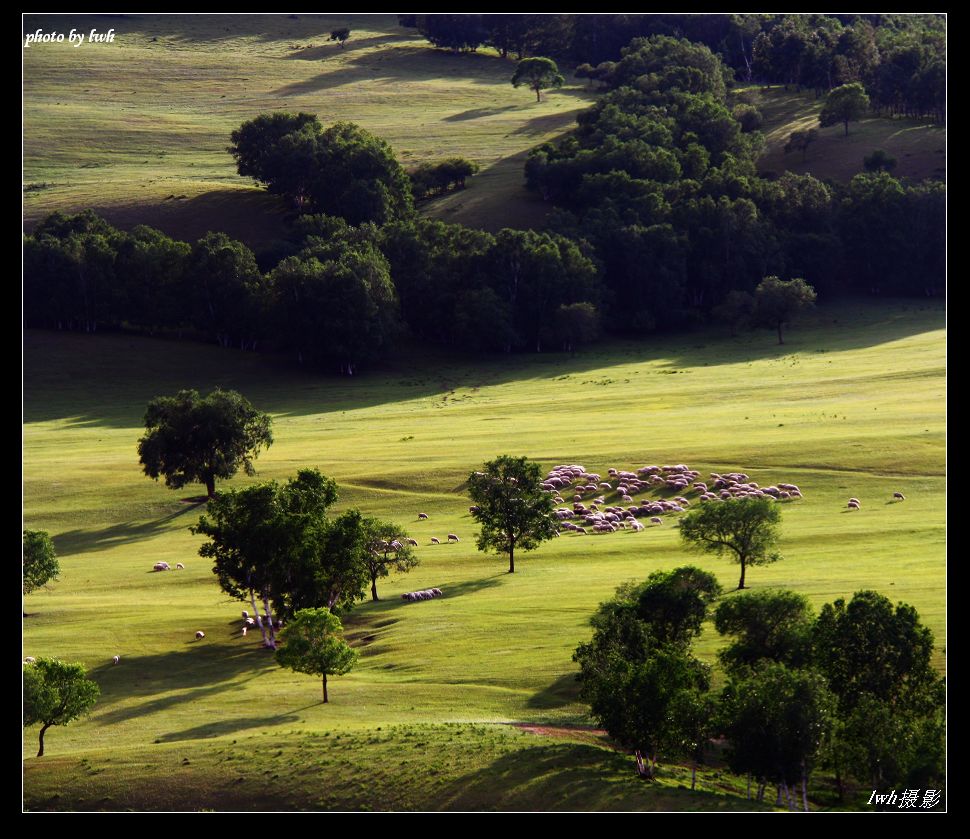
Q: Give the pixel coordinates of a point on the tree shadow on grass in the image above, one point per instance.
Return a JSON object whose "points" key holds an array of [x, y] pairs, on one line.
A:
{"points": [[479, 113], [391, 602], [563, 691], [217, 729], [85, 541]]}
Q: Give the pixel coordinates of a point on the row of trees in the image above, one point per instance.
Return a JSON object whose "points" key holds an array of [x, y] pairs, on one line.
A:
{"points": [[852, 689], [899, 59]]}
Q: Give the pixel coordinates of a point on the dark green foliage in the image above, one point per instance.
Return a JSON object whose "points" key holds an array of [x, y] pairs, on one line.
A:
{"points": [[311, 644], [777, 721], [766, 625], [777, 301], [744, 528], [459, 33], [736, 310], [879, 161], [674, 603], [513, 509], [340, 35], [437, 178], [56, 693], [845, 104], [749, 117], [192, 439], [40, 564], [341, 171], [800, 141], [537, 74], [576, 324]]}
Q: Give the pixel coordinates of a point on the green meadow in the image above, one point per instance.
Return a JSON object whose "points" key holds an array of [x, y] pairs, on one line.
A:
{"points": [[852, 405], [138, 129]]}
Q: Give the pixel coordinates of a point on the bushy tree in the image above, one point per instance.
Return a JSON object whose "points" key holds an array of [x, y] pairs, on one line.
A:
{"points": [[340, 35], [513, 510], [744, 528], [777, 301], [40, 564], [844, 104], [879, 161], [537, 74], [800, 141], [56, 693], [387, 550], [766, 625], [191, 438], [311, 643]]}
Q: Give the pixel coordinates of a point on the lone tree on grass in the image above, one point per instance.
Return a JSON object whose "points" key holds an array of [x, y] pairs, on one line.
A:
{"points": [[386, 551], [40, 560], [513, 509], [194, 439], [800, 141], [777, 301], [845, 103], [311, 644], [746, 528], [56, 693], [537, 74]]}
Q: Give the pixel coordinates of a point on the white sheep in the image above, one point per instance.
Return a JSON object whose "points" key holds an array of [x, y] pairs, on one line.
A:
{"points": [[161, 566], [199, 635], [453, 538], [898, 496], [29, 660], [116, 660], [179, 566], [422, 515], [245, 629], [435, 541]]}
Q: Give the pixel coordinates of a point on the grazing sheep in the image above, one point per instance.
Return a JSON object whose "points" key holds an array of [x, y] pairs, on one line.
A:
{"points": [[29, 660], [199, 635], [245, 614], [179, 566], [855, 501], [422, 515], [453, 538], [435, 541], [898, 496], [412, 542], [250, 622], [854, 505], [473, 509], [161, 566], [116, 660]]}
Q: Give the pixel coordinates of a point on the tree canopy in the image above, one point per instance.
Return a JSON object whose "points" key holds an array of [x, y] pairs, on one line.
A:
{"points": [[56, 693], [537, 74], [513, 509], [387, 550], [845, 104], [777, 301], [191, 438], [40, 564], [744, 528], [311, 643]]}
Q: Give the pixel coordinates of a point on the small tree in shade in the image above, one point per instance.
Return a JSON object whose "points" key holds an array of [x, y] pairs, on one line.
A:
{"points": [[777, 301], [513, 509], [537, 74], [311, 644], [879, 161], [800, 141], [56, 693], [340, 35], [744, 528], [387, 550]]}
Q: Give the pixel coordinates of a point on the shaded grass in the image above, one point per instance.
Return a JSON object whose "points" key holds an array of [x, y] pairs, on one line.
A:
{"points": [[919, 147]]}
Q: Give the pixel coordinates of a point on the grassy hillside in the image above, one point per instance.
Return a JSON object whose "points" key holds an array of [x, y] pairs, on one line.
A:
{"points": [[852, 405], [919, 147], [138, 128]]}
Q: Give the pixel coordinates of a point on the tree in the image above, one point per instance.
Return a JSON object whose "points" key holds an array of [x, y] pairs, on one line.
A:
{"points": [[311, 644], [40, 564], [746, 528], [513, 509], [56, 693], [387, 551], [194, 439], [537, 74], [772, 625], [575, 324], [844, 104], [879, 161], [340, 35], [800, 141], [777, 301], [777, 721]]}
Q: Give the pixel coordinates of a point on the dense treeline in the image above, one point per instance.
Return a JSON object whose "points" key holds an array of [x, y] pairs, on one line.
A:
{"points": [[660, 179], [337, 298], [900, 59]]}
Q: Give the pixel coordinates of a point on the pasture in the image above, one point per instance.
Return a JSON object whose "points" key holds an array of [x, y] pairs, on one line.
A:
{"points": [[138, 129], [852, 405]]}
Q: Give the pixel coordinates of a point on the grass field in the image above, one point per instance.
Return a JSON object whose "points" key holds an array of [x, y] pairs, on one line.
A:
{"points": [[919, 147], [853, 404], [138, 128]]}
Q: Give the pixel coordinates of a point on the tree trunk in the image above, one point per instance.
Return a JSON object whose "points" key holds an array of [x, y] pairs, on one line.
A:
{"points": [[804, 789], [743, 569], [749, 786], [693, 776], [43, 730], [846, 128], [373, 587], [778, 797], [537, 95], [259, 620], [325, 698], [511, 559], [210, 486], [269, 620], [780, 339]]}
